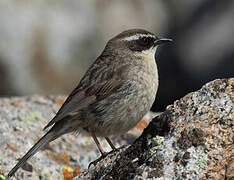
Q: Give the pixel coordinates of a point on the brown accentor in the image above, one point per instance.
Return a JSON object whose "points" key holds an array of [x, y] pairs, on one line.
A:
{"points": [[115, 93]]}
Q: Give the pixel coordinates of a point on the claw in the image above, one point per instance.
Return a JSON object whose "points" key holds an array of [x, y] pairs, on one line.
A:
{"points": [[104, 154]]}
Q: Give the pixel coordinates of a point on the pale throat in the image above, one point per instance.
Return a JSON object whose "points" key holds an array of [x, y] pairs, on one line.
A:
{"points": [[148, 55]]}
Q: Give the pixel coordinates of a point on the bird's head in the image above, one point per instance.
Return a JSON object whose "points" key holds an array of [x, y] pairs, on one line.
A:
{"points": [[135, 42]]}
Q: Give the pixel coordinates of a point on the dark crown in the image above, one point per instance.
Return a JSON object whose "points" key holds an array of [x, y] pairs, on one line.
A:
{"points": [[135, 39]]}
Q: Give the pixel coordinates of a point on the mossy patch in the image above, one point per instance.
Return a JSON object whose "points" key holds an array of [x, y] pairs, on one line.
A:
{"points": [[31, 117]]}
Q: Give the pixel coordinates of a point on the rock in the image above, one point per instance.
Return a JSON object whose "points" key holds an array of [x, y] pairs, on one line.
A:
{"points": [[192, 139]]}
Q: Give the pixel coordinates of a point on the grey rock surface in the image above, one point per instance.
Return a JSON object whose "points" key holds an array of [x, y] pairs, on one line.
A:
{"points": [[192, 139]]}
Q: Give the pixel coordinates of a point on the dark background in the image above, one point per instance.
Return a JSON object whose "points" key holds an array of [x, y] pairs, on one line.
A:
{"points": [[46, 46], [203, 49]]}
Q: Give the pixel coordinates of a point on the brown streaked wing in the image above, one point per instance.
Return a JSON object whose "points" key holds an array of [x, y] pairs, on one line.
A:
{"points": [[90, 91]]}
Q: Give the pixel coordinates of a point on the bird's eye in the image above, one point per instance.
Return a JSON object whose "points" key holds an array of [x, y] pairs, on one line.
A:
{"points": [[144, 41]]}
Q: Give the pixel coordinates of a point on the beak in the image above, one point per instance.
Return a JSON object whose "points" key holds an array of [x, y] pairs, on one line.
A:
{"points": [[161, 41]]}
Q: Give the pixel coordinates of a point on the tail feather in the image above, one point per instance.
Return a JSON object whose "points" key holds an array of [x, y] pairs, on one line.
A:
{"points": [[49, 136]]}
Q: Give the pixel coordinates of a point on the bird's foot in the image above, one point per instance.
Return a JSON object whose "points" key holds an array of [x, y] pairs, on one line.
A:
{"points": [[104, 154]]}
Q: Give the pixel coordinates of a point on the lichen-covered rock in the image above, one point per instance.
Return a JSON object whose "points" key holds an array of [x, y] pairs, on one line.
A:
{"points": [[192, 139]]}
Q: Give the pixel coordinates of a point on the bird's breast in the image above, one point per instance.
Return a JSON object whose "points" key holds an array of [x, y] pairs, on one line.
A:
{"points": [[126, 107], [147, 81]]}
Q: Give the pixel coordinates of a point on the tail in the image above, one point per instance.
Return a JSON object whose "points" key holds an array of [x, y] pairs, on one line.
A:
{"points": [[49, 136]]}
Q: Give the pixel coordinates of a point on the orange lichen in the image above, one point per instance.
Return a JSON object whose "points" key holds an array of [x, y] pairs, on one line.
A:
{"points": [[59, 102], [15, 103], [142, 124], [77, 171], [12, 148], [62, 159], [69, 173]]}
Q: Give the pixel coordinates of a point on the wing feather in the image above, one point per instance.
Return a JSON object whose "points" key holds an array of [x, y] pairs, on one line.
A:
{"points": [[97, 84]]}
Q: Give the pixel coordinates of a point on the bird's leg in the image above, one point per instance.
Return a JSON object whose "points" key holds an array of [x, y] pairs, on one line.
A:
{"points": [[97, 142], [99, 147], [110, 143]]}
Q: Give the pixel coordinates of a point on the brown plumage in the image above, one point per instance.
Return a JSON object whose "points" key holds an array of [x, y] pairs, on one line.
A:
{"points": [[115, 93]]}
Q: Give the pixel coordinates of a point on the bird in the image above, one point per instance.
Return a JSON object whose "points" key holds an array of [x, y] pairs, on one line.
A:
{"points": [[114, 94]]}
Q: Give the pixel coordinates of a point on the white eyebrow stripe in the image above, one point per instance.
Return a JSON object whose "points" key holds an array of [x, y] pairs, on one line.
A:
{"points": [[137, 36]]}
